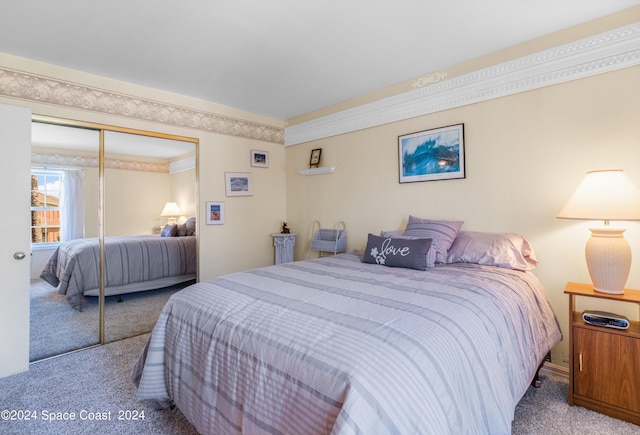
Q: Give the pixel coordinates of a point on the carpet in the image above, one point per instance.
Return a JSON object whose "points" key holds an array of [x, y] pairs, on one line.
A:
{"points": [[79, 387], [545, 411], [58, 328], [97, 380]]}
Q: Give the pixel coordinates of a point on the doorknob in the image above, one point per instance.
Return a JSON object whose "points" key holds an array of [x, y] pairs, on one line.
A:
{"points": [[19, 255]]}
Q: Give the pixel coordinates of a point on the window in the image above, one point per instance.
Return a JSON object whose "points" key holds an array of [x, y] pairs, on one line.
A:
{"points": [[46, 189]]}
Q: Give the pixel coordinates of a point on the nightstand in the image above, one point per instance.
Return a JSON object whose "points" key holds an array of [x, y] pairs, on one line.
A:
{"points": [[604, 363]]}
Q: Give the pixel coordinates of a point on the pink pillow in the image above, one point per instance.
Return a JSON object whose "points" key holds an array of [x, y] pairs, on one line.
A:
{"points": [[507, 250]]}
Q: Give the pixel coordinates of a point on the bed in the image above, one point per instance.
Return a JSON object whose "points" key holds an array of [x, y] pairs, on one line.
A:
{"points": [[132, 264], [350, 344]]}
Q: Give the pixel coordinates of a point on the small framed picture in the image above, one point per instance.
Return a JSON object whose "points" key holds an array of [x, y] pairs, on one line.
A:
{"points": [[314, 162], [436, 154], [215, 213], [259, 159], [238, 183]]}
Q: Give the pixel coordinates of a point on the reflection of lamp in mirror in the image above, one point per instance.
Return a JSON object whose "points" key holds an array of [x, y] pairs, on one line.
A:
{"points": [[606, 196], [172, 211]]}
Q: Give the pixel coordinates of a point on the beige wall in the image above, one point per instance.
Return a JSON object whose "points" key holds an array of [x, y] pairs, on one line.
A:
{"points": [[183, 191], [524, 156], [244, 240], [133, 201]]}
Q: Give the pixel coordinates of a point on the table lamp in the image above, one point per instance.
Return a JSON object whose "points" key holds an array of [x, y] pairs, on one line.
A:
{"points": [[172, 211], [607, 195]]}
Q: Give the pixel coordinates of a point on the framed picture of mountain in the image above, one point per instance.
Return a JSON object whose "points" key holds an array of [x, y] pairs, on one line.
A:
{"points": [[238, 184], [436, 154]]}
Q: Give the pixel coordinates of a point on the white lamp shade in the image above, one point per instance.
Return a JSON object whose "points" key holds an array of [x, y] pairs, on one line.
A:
{"points": [[606, 195], [171, 209]]}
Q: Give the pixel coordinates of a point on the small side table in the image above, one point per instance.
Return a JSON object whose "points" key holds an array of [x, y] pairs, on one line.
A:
{"points": [[604, 372], [284, 244]]}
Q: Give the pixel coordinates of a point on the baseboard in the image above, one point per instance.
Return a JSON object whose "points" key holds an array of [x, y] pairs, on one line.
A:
{"points": [[554, 369]]}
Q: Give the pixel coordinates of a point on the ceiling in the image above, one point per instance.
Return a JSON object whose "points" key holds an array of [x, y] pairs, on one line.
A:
{"points": [[279, 58]]}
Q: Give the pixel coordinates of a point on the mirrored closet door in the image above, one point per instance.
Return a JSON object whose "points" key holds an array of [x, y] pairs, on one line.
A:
{"points": [[116, 252], [64, 210], [145, 178]]}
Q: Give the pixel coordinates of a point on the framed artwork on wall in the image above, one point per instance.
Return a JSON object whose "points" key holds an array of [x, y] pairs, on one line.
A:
{"points": [[215, 213], [436, 154], [314, 161], [259, 159], [238, 183]]}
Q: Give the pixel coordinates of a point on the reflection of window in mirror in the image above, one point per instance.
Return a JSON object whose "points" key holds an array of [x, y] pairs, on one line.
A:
{"points": [[57, 205], [46, 186]]}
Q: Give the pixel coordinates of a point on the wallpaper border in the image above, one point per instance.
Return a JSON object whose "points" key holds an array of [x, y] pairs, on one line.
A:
{"points": [[34, 87], [80, 161], [608, 51]]}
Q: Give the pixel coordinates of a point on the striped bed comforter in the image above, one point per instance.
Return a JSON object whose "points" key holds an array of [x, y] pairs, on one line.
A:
{"points": [[129, 260], [333, 345]]}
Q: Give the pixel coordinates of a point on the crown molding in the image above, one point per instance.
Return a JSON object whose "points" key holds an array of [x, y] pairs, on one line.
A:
{"points": [[42, 89], [182, 165], [609, 51]]}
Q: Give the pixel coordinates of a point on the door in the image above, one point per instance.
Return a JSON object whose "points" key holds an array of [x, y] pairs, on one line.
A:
{"points": [[606, 367], [15, 160]]}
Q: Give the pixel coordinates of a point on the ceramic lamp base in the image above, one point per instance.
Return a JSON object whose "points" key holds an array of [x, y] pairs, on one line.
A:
{"points": [[608, 259]]}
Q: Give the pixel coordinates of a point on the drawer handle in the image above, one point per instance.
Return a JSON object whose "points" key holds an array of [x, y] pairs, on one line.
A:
{"points": [[580, 361]]}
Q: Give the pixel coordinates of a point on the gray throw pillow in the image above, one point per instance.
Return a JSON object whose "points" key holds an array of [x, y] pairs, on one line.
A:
{"points": [[169, 231], [407, 253], [190, 226], [443, 233]]}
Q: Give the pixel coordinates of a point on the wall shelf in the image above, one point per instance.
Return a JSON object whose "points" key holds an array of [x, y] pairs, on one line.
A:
{"points": [[317, 171]]}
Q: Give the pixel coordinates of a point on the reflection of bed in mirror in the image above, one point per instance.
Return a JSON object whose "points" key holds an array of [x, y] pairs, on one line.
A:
{"points": [[132, 263]]}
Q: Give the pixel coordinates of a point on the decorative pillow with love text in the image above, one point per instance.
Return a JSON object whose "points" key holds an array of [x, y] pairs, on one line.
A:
{"points": [[407, 253]]}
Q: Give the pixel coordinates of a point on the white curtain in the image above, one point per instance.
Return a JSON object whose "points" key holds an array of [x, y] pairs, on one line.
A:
{"points": [[72, 205]]}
